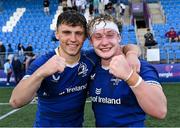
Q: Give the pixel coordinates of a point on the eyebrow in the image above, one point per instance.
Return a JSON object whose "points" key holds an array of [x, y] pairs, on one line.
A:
{"points": [[69, 31], [105, 32]]}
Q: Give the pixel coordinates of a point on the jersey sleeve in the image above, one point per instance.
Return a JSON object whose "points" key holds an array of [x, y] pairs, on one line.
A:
{"points": [[149, 73], [38, 62]]}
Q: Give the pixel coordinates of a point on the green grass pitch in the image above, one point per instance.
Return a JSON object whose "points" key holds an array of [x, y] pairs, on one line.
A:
{"points": [[25, 116]]}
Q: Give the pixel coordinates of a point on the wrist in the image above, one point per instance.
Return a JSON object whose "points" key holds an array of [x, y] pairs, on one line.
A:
{"points": [[137, 83], [130, 74], [134, 80], [39, 75]]}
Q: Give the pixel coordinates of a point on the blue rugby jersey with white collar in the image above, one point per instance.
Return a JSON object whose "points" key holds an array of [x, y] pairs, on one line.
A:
{"points": [[61, 96], [113, 102]]}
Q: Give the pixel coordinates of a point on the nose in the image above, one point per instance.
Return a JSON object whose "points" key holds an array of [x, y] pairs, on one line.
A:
{"points": [[104, 40], [73, 37]]}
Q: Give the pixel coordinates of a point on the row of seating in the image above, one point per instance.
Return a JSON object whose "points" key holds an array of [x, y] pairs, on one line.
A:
{"points": [[171, 9], [34, 27]]}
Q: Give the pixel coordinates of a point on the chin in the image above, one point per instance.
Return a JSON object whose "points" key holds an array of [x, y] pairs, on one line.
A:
{"points": [[73, 54], [105, 56]]}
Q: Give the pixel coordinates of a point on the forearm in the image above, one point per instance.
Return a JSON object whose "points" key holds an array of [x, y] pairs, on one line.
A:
{"points": [[131, 48], [24, 92], [152, 100], [132, 52], [150, 97]]}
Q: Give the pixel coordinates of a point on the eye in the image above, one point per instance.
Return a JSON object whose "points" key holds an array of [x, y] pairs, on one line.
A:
{"points": [[110, 35], [98, 36], [79, 33], [66, 32]]}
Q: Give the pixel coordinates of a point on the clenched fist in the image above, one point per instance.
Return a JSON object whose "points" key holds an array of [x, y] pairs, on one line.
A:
{"points": [[53, 65], [119, 67]]}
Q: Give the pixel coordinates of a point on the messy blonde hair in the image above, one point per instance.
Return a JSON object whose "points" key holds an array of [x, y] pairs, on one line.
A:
{"points": [[104, 18]]}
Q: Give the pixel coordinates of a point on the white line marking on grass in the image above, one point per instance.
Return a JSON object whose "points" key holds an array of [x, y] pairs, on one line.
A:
{"points": [[88, 101], [9, 113], [15, 110], [1, 104], [4, 104]]}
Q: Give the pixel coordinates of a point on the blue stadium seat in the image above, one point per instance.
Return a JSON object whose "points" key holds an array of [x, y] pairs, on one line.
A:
{"points": [[163, 56]]}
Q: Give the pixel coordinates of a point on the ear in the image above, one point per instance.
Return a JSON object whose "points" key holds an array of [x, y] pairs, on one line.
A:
{"points": [[57, 35], [119, 38]]}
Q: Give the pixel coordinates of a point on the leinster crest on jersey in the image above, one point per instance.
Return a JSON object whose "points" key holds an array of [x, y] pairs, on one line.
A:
{"points": [[82, 70]]}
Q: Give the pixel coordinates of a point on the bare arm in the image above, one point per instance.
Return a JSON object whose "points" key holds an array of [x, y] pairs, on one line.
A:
{"points": [[24, 92], [132, 53], [131, 48], [150, 97]]}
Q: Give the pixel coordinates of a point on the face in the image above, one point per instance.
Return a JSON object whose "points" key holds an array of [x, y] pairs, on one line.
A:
{"points": [[172, 29], [71, 38], [106, 43]]}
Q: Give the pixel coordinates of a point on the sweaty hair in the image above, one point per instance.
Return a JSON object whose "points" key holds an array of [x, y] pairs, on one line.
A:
{"points": [[103, 18], [72, 18]]}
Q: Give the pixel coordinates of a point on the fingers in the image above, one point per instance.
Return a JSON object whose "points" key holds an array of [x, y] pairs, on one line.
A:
{"points": [[61, 63], [119, 67], [53, 65]]}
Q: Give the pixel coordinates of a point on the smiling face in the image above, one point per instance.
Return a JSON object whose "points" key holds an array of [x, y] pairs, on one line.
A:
{"points": [[71, 38], [106, 43], [71, 31]]}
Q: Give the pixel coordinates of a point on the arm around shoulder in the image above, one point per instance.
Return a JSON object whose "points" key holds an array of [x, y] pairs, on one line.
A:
{"points": [[131, 49]]}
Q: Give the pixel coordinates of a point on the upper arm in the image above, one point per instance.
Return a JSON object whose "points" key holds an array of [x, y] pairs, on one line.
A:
{"points": [[149, 74]]}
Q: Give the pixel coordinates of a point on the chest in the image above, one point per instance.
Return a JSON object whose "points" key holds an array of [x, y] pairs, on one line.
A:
{"points": [[72, 80], [106, 85]]}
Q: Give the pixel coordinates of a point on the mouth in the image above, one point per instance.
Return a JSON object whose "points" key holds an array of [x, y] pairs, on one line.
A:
{"points": [[105, 49], [72, 46]]}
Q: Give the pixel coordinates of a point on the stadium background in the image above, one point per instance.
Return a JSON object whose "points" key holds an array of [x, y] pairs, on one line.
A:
{"points": [[23, 21]]}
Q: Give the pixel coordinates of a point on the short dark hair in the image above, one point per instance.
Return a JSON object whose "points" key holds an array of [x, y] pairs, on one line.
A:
{"points": [[72, 18]]}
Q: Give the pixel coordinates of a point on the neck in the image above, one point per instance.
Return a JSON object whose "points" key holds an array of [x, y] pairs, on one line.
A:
{"points": [[105, 62], [70, 60]]}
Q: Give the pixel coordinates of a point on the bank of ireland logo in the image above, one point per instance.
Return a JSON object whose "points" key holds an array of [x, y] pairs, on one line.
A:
{"points": [[82, 70], [98, 91]]}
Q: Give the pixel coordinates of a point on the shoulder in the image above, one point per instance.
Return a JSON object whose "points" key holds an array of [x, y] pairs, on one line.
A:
{"points": [[148, 72], [90, 55], [145, 64], [39, 61], [43, 58]]}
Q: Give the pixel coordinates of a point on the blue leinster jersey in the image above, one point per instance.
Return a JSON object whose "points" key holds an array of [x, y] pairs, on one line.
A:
{"points": [[62, 96], [114, 104]]}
